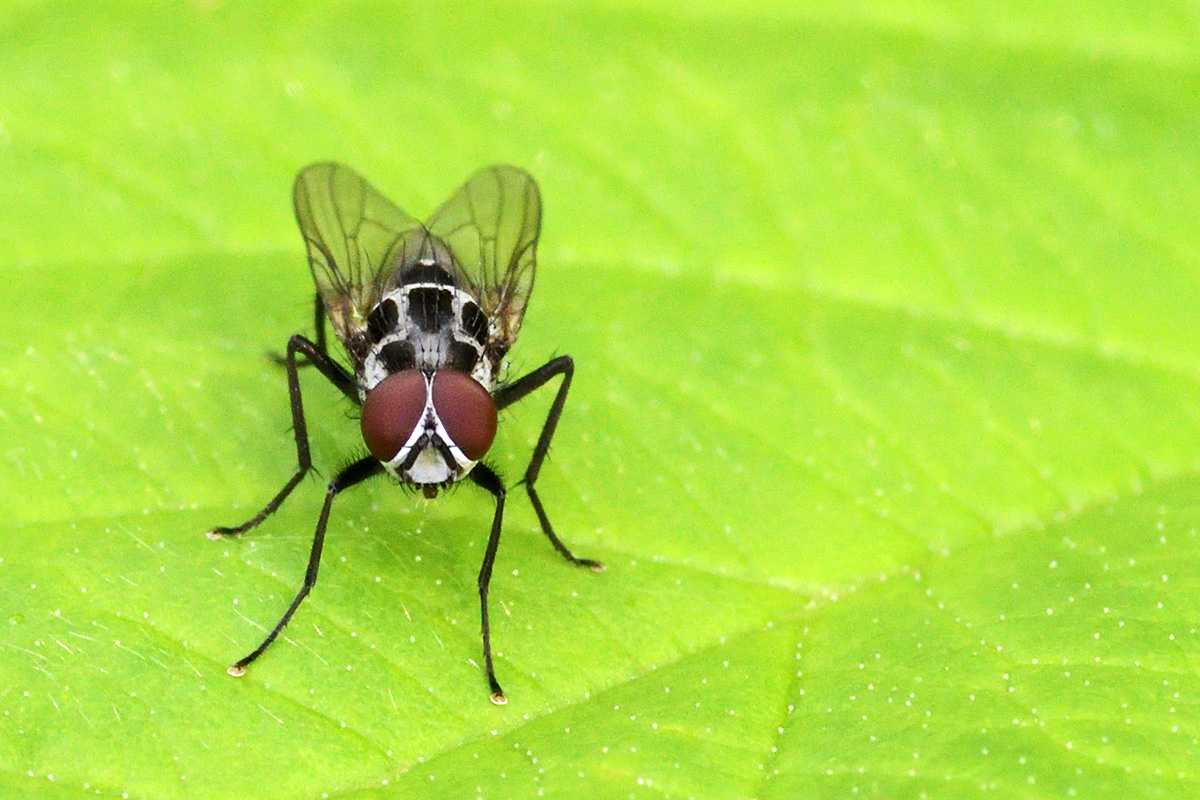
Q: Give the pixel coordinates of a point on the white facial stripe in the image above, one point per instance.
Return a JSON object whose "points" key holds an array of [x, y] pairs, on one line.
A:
{"points": [[394, 465], [464, 463]]}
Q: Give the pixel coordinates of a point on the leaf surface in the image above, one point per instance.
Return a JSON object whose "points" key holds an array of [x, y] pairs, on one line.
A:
{"points": [[884, 417]]}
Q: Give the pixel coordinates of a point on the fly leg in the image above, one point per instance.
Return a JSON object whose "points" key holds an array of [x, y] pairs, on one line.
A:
{"points": [[483, 475], [357, 472], [339, 378], [506, 396], [319, 318]]}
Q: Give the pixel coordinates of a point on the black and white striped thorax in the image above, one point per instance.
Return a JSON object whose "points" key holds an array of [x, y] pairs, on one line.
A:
{"points": [[428, 323]]}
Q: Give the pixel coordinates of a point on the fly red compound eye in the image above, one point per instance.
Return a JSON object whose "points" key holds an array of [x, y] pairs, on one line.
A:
{"points": [[466, 410], [392, 411]]}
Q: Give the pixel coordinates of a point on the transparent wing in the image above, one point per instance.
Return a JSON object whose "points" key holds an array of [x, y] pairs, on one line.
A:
{"points": [[491, 225], [354, 235]]}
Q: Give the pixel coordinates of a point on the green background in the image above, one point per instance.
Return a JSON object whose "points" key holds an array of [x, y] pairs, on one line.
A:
{"points": [[886, 415]]}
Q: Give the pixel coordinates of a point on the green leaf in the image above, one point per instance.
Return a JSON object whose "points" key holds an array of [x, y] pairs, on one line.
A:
{"points": [[884, 418]]}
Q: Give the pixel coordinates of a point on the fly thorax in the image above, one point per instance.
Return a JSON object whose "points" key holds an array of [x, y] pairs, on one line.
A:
{"points": [[426, 326]]}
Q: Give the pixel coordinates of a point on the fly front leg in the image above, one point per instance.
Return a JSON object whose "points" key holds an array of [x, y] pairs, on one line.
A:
{"points": [[483, 475], [506, 396], [339, 378], [357, 472]]}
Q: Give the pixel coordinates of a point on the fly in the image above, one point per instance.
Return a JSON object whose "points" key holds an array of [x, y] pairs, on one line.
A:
{"points": [[426, 313]]}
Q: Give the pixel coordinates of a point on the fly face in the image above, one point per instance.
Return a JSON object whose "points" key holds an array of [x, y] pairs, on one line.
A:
{"points": [[425, 313], [429, 427]]}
